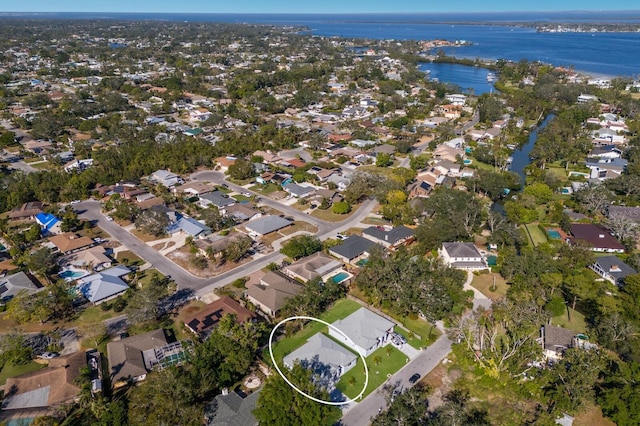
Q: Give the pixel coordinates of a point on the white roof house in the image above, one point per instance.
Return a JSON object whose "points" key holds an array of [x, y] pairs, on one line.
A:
{"points": [[324, 356], [266, 225], [105, 285], [462, 256], [366, 329]]}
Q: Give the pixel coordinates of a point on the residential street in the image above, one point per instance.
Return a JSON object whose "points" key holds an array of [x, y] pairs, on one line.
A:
{"points": [[360, 414], [91, 210]]}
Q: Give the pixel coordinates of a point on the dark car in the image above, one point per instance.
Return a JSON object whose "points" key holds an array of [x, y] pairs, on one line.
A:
{"points": [[414, 378]]}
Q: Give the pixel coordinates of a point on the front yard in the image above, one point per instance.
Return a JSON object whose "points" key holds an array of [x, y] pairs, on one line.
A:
{"points": [[382, 363]]}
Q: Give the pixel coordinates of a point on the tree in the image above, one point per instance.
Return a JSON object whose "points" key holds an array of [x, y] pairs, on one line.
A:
{"points": [[14, 349], [241, 169], [571, 382], [237, 249], [214, 219], [152, 221], [42, 261], [70, 220], [341, 207], [33, 233], [619, 393], [279, 404], [301, 246], [383, 160], [166, 399]]}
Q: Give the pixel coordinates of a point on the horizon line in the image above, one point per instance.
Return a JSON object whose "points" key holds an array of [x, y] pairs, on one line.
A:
{"points": [[335, 13]]}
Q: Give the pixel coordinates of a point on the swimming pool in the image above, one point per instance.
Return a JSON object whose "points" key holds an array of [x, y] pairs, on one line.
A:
{"points": [[467, 162], [72, 274], [553, 234], [362, 262], [339, 277]]}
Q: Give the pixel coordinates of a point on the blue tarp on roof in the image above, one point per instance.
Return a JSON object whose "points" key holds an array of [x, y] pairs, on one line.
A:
{"points": [[47, 221]]}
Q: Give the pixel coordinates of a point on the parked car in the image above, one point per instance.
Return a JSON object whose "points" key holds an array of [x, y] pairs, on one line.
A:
{"points": [[246, 194], [49, 355], [413, 379], [341, 237], [75, 202], [109, 218]]}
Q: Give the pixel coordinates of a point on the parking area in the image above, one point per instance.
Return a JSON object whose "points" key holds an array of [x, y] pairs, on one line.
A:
{"points": [[400, 342]]}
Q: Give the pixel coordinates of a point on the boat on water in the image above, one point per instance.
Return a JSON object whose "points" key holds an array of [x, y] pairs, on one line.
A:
{"points": [[491, 77]]}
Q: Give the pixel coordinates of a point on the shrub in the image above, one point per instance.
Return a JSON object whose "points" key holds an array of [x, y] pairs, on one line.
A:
{"points": [[341, 207]]}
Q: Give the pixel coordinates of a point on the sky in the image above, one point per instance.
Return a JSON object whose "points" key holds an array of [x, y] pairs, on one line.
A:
{"points": [[307, 6]]}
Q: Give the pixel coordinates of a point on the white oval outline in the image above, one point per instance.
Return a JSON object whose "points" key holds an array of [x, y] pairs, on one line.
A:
{"points": [[275, 364]]}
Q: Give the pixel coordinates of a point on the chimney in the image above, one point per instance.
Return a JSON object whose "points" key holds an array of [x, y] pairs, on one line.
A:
{"points": [[614, 268]]}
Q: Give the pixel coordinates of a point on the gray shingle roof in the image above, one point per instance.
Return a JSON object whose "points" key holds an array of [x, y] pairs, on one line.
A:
{"points": [[352, 247], [392, 236], [218, 199], [13, 284], [267, 224], [104, 284], [364, 327], [320, 348], [461, 250], [233, 410], [615, 267]]}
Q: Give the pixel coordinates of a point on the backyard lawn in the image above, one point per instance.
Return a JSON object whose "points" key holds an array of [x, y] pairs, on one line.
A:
{"points": [[341, 309], [387, 365], [16, 370], [535, 234], [129, 258], [577, 322]]}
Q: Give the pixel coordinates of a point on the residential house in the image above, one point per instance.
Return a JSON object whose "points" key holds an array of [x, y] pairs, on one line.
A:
{"points": [[232, 409], [11, 285], [445, 152], [448, 168], [70, 242], [93, 258], [272, 292], [328, 194], [215, 246], [267, 157], [462, 256], [48, 387], [622, 212], [195, 188], [103, 286], [27, 211], [606, 168], [131, 358], [605, 151], [299, 191], [419, 189], [597, 237], [224, 163], [328, 359], [202, 323], [215, 198], [78, 165], [166, 178], [310, 267], [492, 133], [341, 182], [266, 225], [242, 212], [189, 226], [555, 341], [49, 223], [367, 331], [612, 269], [389, 238], [353, 249]]}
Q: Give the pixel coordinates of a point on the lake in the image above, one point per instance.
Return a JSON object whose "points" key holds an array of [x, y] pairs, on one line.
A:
{"points": [[469, 78]]}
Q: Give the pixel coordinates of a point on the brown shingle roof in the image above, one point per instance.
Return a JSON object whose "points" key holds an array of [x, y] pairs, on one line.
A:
{"points": [[274, 290], [47, 387], [126, 358], [207, 319], [29, 209], [596, 236], [70, 241]]}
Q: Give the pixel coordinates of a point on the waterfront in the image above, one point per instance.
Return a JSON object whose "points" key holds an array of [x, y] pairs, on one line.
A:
{"points": [[606, 54], [468, 78]]}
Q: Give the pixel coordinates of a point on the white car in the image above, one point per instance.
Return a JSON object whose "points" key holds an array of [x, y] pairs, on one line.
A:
{"points": [[75, 202], [49, 355], [109, 218], [246, 194]]}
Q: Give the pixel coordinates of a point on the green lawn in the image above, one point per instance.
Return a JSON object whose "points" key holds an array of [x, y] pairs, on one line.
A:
{"points": [[16, 370], [265, 189], [341, 309], [240, 198], [131, 258], [388, 364], [412, 340], [536, 234], [147, 274], [577, 322]]}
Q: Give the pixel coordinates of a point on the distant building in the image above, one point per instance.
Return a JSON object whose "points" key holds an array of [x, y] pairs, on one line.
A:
{"points": [[272, 293], [49, 223], [266, 225], [389, 238], [612, 269], [310, 267], [11, 285], [27, 211], [353, 249], [597, 237]]}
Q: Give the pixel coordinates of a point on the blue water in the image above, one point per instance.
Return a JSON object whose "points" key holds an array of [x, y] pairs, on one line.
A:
{"points": [[595, 53], [71, 274], [339, 277], [553, 234], [521, 157], [467, 77]]}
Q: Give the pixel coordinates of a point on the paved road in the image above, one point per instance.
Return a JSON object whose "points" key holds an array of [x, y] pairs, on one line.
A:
{"points": [[91, 210], [360, 414]]}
